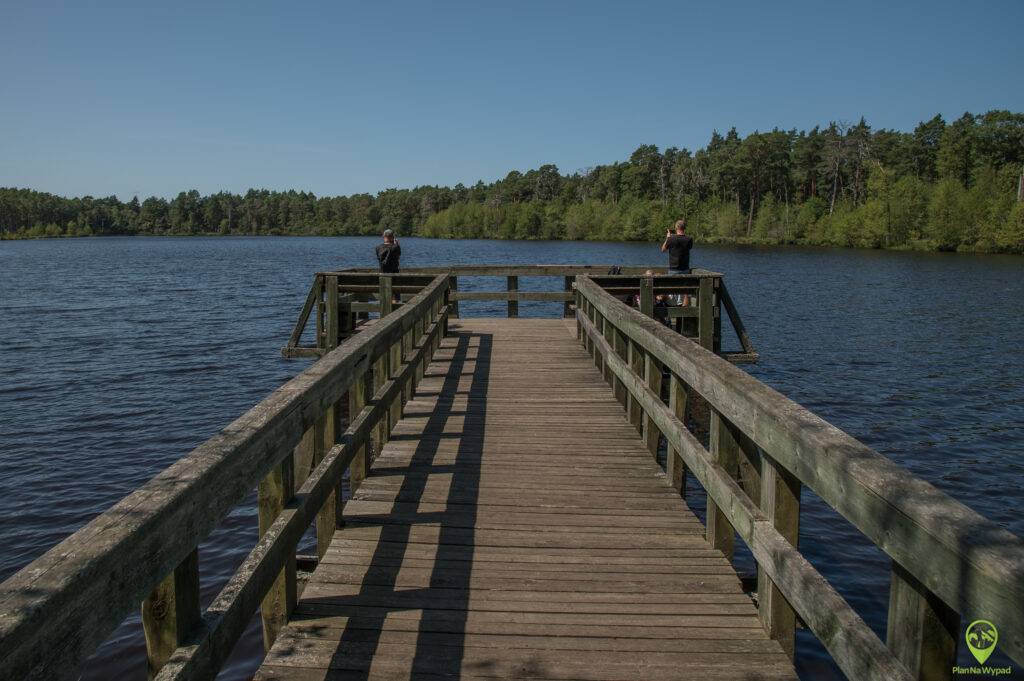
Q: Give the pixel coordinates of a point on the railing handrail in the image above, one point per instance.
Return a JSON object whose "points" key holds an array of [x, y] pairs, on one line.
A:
{"points": [[527, 270], [55, 611], [971, 564]]}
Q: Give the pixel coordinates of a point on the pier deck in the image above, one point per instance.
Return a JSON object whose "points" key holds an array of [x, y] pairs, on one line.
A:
{"points": [[515, 526]]}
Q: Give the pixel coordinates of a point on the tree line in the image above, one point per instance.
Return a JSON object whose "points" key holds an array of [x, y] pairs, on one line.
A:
{"points": [[943, 186]]}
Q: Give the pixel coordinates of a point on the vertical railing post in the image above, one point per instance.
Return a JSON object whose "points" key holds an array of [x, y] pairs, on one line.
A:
{"points": [[922, 631], [647, 296], [780, 502], [273, 493], [453, 288], [716, 314], [674, 468], [333, 313], [171, 612], [706, 312], [652, 375], [635, 356], [358, 396], [567, 309], [725, 452], [513, 305], [382, 368], [327, 516]]}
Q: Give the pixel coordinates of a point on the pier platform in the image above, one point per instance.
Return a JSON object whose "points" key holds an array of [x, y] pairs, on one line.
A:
{"points": [[515, 526]]}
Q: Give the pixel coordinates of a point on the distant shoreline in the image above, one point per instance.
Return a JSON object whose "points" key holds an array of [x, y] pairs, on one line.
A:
{"points": [[922, 246]]}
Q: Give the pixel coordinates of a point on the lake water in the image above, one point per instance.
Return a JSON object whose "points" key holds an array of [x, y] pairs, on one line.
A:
{"points": [[118, 356]]}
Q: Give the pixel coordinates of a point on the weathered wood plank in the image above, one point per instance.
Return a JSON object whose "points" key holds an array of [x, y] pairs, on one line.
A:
{"points": [[520, 505], [971, 563]]}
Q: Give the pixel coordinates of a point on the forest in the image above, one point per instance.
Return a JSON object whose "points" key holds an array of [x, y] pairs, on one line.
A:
{"points": [[943, 186]]}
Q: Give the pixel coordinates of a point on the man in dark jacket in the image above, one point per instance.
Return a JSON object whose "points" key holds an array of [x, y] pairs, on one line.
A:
{"points": [[678, 246], [389, 253]]}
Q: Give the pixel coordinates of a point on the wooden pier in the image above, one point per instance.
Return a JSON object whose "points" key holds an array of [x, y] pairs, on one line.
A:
{"points": [[518, 507]]}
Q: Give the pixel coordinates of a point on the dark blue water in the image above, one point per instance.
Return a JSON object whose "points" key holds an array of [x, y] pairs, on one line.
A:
{"points": [[118, 356]]}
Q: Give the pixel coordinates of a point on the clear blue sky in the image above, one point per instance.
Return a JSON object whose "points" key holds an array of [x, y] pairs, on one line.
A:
{"points": [[336, 98]]}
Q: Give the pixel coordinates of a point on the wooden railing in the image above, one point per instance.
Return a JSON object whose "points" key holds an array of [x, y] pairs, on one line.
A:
{"points": [[58, 609], [359, 293], [948, 561]]}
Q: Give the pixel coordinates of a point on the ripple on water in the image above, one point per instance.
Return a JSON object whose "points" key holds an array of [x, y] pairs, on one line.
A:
{"points": [[161, 342]]}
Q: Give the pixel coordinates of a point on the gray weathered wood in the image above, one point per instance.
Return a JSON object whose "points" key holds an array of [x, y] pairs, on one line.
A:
{"points": [[55, 611], [780, 502], [275, 491], [854, 647], [315, 292], [513, 304], [922, 631], [968, 561], [725, 452], [706, 307], [333, 321], [653, 375], [171, 612], [515, 295], [675, 469]]}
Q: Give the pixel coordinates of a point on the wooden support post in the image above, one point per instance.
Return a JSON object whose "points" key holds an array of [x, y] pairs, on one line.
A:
{"points": [[357, 398], [716, 309], [171, 612], [333, 321], [674, 468], [725, 452], [647, 296], [274, 491], [922, 630], [635, 355], [567, 309], [579, 310], [321, 327], [706, 320], [327, 516], [513, 305], [346, 320], [652, 375], [453, 310], [780, 502], [385, 295]]}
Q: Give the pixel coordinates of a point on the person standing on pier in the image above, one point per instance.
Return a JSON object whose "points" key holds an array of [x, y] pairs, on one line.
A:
{"points": [[389, 253], [678, 246]]}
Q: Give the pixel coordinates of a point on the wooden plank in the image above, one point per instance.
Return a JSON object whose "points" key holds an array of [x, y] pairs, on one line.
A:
{"points": [[854, 647], [725, 453], [315, 292], [55, 611], [780, 501], [567, 285], [333, 321], [513, 302], [229, 614], [171, 613], [934, 537], [922, 631], [674, 466], [734, 318], [514, 295], [514, 516], [274, 492], [706, 308], [653, 376]]}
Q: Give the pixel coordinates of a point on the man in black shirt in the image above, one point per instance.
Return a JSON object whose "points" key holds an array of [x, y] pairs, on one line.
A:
{"points": [[678, 246], [389, 253]]}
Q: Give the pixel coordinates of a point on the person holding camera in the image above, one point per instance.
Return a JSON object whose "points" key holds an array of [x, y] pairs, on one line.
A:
{"points": [[678, 246]]}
